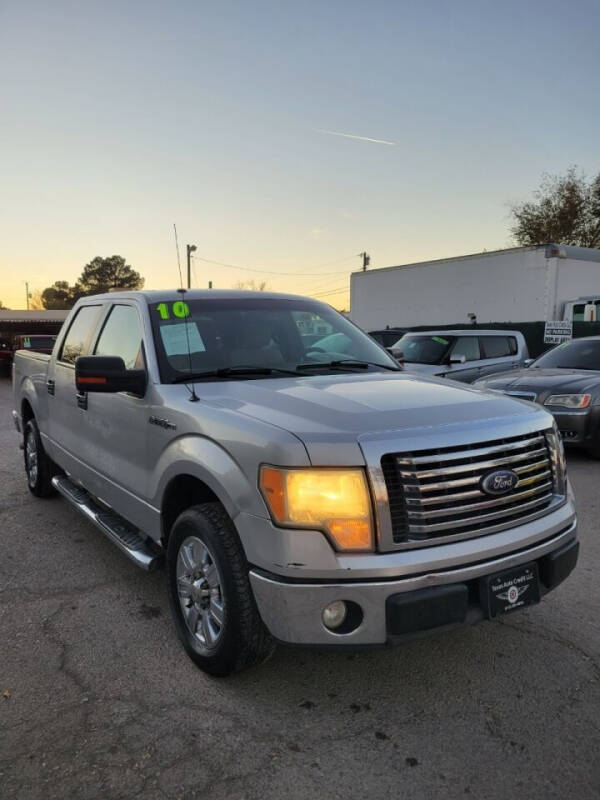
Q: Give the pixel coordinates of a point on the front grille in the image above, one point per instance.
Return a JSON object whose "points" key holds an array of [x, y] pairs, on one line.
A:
{"points": [[436, 494]]}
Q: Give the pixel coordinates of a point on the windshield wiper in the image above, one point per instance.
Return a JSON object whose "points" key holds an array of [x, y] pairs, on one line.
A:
{"points": [[232, 372], [347, 363]]}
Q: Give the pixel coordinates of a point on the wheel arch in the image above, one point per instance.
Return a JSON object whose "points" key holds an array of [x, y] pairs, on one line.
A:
{"points": [[27, 412], [181, 492]]}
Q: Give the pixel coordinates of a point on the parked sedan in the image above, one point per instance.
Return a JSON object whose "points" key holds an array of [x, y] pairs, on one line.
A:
{"points": [[463, 355], [566, 380]]}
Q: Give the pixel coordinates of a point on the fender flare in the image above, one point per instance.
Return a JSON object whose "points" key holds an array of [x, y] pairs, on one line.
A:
{"points": [[207, 461]]}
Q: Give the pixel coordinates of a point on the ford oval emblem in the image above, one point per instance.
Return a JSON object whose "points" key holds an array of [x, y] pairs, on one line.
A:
{"points": [[501, 481]]}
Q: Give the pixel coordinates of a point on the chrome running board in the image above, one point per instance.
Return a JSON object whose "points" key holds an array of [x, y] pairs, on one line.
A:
{"points": [[121, 533]]}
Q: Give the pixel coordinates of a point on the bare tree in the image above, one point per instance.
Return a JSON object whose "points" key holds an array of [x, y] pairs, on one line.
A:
{"points": [[251, 286], [35, 301], [566, 210]]}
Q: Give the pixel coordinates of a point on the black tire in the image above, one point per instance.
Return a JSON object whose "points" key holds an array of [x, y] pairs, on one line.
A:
{"points": [[39, 468], [204, 552], [594, 448]]}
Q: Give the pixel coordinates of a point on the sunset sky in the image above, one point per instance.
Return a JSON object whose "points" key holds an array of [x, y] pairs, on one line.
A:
{"points": [[281, 136]]}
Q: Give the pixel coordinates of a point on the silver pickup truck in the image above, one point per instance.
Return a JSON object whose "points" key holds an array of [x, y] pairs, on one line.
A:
{"points": [[297, 494]]}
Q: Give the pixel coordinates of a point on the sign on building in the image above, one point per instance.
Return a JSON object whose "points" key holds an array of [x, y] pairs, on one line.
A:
{"points": [[558, 331]]}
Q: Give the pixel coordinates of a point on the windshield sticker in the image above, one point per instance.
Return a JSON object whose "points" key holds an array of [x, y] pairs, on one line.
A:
{"points": [[175, 339], [439, 340], [179, 309]]}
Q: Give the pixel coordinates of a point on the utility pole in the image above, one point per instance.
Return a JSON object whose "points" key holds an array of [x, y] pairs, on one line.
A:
{"points": [[191, 248], [366, 260], [27, 294]]}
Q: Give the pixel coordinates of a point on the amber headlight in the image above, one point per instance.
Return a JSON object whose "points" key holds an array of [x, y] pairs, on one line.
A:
{"points": [[336, 501], [569, 400]]}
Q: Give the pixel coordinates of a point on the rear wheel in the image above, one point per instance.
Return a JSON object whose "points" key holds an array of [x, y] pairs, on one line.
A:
{"points": [[40, 469], [209, 590]]}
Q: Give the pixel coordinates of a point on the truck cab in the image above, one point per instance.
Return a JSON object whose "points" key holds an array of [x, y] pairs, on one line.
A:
{"points": [[583, 309]]}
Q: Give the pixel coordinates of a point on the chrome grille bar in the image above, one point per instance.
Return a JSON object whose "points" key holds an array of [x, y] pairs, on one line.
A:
{"points": [[479, 465], [434, 487], [435, 513], [480, 451], [475, 493]]}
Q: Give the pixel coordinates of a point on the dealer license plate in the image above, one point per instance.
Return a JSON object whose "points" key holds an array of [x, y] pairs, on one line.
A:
{"points": [[511, 590]]}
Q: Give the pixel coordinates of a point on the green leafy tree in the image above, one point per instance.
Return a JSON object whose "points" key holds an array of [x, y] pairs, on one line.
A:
{"points": [[100, 275], [59, 296], [106, 274], [566, 210]]}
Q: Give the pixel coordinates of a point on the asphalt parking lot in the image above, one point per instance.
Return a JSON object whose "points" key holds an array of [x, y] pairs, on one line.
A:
{"points": [[98, 700]]}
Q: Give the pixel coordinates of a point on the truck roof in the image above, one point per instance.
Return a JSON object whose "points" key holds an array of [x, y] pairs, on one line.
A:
{"points": [[156, 295]]}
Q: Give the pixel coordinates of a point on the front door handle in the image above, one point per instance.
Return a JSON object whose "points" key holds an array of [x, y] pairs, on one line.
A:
{"points": [[82, 400], [50, 386]]}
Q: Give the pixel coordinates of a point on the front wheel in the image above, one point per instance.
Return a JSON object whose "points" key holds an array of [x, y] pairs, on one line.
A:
{"points": [[210, 595]]}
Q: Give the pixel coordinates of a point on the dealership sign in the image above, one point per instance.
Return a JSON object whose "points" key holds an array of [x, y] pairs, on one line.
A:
{"points": [[557, 332]]}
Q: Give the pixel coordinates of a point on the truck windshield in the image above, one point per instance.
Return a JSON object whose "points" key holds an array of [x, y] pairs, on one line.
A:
{"points": [[424, 349], [582, 354], [204, 335]]}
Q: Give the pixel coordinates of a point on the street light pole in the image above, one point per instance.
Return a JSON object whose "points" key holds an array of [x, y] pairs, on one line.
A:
{"points": [[191, 248], [27, 294]]}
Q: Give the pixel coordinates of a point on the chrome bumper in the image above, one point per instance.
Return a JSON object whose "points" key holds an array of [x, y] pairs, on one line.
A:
{"points": [[292, 610]]}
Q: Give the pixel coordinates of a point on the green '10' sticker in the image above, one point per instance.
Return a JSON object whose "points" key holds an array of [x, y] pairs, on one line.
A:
{"points": [[178, 309]]}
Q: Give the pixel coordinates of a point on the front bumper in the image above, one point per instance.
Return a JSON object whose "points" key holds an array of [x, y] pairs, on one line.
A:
{"points": [[578, 427], [292, 610]]}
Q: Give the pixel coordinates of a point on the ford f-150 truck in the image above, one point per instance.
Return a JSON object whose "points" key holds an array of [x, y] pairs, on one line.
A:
{"points": [[297, 494]]}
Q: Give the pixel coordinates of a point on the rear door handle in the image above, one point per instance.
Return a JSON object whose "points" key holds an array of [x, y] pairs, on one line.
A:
{"points": [[50, 386], [82, 400]]}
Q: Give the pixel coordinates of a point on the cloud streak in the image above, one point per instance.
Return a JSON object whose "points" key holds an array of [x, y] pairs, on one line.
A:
{"points": [[352, 136]]}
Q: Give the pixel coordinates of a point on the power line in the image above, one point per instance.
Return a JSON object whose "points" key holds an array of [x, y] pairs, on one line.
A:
{"points": [[283, 274], [325, 284], [331, 291]]}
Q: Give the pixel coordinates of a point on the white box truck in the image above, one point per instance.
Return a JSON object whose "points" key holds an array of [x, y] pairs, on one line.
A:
{"points": [[522, 284]]}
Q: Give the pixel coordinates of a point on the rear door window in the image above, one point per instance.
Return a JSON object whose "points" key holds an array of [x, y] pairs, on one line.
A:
{"points": [[122, 336], [467, 346], [80, 332], [499, 346]]}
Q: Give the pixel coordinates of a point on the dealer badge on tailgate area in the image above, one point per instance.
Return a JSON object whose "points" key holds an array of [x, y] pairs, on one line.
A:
{"points": [[510, 590]]}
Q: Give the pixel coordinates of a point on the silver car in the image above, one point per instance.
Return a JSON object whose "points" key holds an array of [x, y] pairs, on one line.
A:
{"points": [[463, 355]]}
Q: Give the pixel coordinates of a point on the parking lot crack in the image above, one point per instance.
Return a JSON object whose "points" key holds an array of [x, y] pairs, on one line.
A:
{"points": [[546, 635]]}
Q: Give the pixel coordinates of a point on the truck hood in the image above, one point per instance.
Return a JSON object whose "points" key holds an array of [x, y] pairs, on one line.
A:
{"points": [[540, 380], [341, 409]]}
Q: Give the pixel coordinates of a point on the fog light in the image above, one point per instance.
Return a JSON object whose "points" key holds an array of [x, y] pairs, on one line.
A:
{"points": [[334, 614]]}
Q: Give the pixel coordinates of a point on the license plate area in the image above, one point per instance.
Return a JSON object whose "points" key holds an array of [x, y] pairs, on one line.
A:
{"points": [[510, 590]]}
